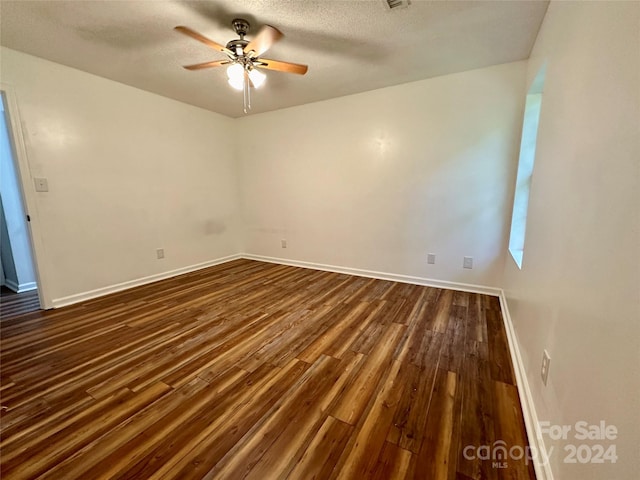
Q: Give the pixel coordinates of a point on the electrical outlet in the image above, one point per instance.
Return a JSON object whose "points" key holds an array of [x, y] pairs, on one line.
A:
{"points": [[283, 243], [431, 258], [41, 184], [544, 371], [467, 262], [160, 253]]}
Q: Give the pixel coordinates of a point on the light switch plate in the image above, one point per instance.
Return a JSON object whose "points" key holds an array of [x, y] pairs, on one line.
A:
{"points": [[546, 363], [41, 184]]}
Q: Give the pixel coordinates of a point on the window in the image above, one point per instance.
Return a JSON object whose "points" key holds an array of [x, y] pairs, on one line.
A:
{"points": [[525, 167]]}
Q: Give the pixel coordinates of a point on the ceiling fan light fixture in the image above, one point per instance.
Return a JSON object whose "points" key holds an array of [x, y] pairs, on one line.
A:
{"points": [[235, 72], [237, 84], [257, 77]]}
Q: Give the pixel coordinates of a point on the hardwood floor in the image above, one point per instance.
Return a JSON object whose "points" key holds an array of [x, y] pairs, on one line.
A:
{"points": [[260, 371], [12, 303]]}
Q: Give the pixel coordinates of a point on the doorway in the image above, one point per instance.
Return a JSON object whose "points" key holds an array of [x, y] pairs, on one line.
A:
{"points": [[18, 276]]}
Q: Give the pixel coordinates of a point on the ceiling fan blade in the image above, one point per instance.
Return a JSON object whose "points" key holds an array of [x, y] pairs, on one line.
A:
{"points": [[210, 43], [281, 66], [199, 66], [266, 37]]}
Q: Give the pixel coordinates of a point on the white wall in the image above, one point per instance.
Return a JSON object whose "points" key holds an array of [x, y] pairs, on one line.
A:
{"points": [[578, 294], [377, 180], [128, 172]]}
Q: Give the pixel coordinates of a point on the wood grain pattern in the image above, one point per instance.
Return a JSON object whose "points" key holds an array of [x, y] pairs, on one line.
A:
{"points": [[13, 304], [260, 371]]}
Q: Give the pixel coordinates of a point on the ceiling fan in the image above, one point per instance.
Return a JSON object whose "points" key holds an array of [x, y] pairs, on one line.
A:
{"points": [[243, 57]]}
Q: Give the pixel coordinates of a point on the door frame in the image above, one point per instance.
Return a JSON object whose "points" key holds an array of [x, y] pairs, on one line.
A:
{"points": [[27, 190]]}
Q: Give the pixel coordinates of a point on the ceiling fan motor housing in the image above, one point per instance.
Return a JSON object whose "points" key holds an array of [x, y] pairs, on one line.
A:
{"points": [[234, 44], [241, 26]]}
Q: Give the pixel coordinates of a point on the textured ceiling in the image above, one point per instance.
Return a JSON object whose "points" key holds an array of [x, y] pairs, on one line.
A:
{"points": [[350, 45]]}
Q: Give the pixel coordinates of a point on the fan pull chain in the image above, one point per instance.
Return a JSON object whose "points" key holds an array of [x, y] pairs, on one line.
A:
{"points": [[246, 94]]}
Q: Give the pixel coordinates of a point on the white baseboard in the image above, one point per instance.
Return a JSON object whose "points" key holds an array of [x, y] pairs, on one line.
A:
{"points": [[27, 287], [99, 292], [19, 288], [534, 434], [11, 285], [428, 282]]}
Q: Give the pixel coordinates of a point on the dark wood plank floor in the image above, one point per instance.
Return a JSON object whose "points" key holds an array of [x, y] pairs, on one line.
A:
{"points": [[13, 304], [260, 371]]}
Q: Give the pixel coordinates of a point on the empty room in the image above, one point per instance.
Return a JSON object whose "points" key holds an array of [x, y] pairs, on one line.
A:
{"points": [[320, 239]]}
